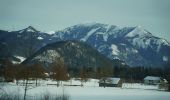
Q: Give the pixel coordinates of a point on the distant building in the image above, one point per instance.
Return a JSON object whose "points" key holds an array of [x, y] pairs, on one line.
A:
{"points": [[152, 80], [110, 82]]}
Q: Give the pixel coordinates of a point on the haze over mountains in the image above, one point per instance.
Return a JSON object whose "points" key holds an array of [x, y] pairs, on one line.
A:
{"points": [[133, 45]]}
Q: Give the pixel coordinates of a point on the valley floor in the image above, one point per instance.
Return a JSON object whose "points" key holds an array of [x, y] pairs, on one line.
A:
{"points": [[90, 91]]}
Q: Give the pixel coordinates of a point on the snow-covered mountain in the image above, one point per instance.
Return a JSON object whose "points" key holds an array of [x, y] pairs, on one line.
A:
{"points": [[74, 54], [18, 45], [134, 45]]}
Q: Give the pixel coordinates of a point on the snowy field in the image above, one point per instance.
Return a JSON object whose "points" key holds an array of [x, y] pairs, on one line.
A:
{"points": [[90, 91]]}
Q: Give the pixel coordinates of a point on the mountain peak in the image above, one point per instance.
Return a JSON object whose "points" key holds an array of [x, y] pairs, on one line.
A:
{"points": [[139, 27], [139, 32], [28, 29]]}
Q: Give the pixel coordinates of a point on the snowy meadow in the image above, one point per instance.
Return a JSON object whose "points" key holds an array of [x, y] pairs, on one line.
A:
{"points": [[72, 90]]}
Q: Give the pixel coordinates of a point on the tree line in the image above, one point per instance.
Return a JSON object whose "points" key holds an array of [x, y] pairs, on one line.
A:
{"points": [[58, 71]]}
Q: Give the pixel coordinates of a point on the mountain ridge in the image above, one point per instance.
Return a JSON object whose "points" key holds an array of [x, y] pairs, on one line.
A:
{"points": [[134, 45], [106, 35], [74, 54]]}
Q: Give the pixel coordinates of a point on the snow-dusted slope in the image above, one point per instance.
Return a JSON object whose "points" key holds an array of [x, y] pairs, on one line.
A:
{"points": [[134, 45], [73, 53], [89, 34], [17, 45]]}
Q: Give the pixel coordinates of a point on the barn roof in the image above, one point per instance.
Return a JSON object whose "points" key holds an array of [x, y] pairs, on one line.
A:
{"points": [[152, 78], [110, 80]]}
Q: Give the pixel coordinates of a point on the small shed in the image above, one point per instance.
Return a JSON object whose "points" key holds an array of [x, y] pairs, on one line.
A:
{"points": [[110, 82], [152, 80]]}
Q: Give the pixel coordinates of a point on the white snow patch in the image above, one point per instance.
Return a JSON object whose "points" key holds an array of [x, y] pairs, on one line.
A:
{"points": [[116, 58], [89, 34], [106, 34], [140, 43], [100, 33], [20, 58], [15, 62], [123, 63], [50, 32], [165, 42], [115, 50], [30, 30], [73, 44], [56, 36], [111, 32], [108, 27], [134, 50], [165, 58], [139, 86], [105, 37], [48, 56], [40, 38], [122, 44], [138, 31]]}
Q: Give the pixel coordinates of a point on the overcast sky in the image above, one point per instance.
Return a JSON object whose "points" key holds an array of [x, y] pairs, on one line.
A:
{"points": [[47, 15]]}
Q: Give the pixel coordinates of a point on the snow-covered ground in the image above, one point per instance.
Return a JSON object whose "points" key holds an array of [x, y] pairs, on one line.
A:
{"points": [[90, 91], [139, 86]]}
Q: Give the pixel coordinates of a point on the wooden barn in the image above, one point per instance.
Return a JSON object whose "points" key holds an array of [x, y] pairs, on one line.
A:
{"points": [[152, 80], [110, 82]]}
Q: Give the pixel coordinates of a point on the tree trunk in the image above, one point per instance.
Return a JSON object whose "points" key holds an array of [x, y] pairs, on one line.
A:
{"points": [[17, 82], [25, 92], [36, 81], [104, 83], [81, 83], [58, 83]]}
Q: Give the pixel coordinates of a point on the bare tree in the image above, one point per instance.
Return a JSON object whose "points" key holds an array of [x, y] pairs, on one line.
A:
{"points": [[17, 72], [26, 74], [83, 74], [9, 71], [59, 72], [37, 72]]}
